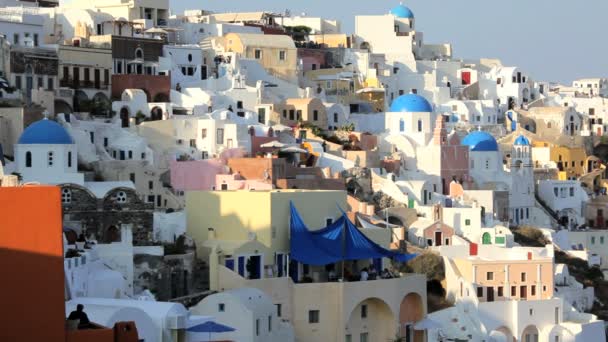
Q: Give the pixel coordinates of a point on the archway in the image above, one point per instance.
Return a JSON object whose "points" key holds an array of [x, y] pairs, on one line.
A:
{"points": [[486, 239], [81, 102], [530, 334], [62, 107], [124, 117], [411, 311], [156, 114], [100, 105], [112, 234], [372, 318]]}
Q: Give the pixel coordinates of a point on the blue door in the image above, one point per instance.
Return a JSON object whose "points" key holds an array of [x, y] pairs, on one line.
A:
{"points": [[241, 265], [229, 263]]}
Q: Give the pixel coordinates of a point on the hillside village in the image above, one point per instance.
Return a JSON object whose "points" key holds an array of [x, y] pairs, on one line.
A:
{"points": [[261, 176]]}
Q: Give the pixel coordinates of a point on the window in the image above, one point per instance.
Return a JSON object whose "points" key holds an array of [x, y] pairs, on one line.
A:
{"points": [[299, 115], [219, 136], [257, 327], [531, 311], [66, 196], [50, 84], [239, 104], [193, 143], [335, 117], [557, 315], [150, 199], [16, 38], [292, 114], [258, 54], [571, 192], [132, 177], [500, 291], [50, 156], [364, 311], [313, 316], [282, 55], [533, 290], [364, 337], [419, 125], [269, 323], [106, 76], [285, 113], [69, 159], [40, 82], [121, 197], [467, 222], [513, 291], [490, 276], [203, 133], [150, 185], [523, 276], [279, 309], [601, 240], [221, 307], [139, 54], [315, 115], [480, 292], [18, 82], [593, 240]]}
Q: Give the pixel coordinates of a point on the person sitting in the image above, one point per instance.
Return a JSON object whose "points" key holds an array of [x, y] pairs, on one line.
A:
{"points": [[79, 315], [364, 275], [373, 274], [386, 274]]}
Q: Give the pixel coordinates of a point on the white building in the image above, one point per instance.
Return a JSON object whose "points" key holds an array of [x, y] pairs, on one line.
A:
{"points": [[46, 153], [566, 198], [250, 312]]}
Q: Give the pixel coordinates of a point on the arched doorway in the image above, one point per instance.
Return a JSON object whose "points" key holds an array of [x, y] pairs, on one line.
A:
{"points": [[371, 320], [486, 239], [112, 234], [81, 102], [411, 311], [124, 117], [530, 334], [62, 107], [161, 98], [100, 105], [156, 114]]}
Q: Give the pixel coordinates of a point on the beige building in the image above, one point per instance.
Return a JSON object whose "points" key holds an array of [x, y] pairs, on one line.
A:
{"points": [[276, 53], [307, 110], [491, 273]]}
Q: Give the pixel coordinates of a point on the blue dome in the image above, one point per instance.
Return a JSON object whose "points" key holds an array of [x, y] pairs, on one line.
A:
{"points": [[45, 132], [479, 141], [522, 141], [411, 103], [402, 11]]}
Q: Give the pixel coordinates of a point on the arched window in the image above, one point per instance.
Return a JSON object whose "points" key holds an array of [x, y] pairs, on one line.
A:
{"points": [[401, 125], [66, 196], [69, 159], [419, 125], [139, 53], [49, 158], [28, 159]]}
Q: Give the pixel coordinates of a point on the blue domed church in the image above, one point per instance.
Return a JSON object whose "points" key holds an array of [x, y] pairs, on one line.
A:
{"points": [[46, 153]]}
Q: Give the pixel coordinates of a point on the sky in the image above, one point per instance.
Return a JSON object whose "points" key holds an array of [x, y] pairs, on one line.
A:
{"points": [[551, 40]]}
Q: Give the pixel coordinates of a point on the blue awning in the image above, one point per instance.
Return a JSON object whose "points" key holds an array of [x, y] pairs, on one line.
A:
{"points": [[341, 240]]}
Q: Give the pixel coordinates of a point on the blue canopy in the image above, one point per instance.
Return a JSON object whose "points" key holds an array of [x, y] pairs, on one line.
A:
{"points": [[341, 240], [211, 327]]}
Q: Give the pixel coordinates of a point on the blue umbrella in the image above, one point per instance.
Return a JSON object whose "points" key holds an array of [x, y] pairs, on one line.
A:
{"points": [[210, 327]]}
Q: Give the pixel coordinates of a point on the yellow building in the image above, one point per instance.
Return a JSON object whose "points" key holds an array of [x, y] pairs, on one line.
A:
{"points": [[276, 53], [572, 162], [331, 40], [309, 110]]}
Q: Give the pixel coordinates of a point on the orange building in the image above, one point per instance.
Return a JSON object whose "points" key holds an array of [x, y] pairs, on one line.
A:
{"points": [[31, 258]]}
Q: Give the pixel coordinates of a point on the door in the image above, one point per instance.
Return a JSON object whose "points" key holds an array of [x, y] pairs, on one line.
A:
{"points": [[523, 292], [241, 266], [254, 267], [486, 239], [599, 131], [490, 291], [438, 239], [280, 264], [293, 270], [97, 79], [466, 77], [229, 263]]}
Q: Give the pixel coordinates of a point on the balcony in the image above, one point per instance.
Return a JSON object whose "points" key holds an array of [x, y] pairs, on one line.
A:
{"points": [[72, 84]]}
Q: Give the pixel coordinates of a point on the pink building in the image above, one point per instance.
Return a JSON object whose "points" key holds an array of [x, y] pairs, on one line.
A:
{"points": [[196, 175], [454, 156]]}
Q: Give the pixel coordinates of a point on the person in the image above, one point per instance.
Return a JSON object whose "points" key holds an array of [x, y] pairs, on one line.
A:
{"points": [[80, 315], [373, 274], [364, 274], [386, 274], [178, 87]]}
